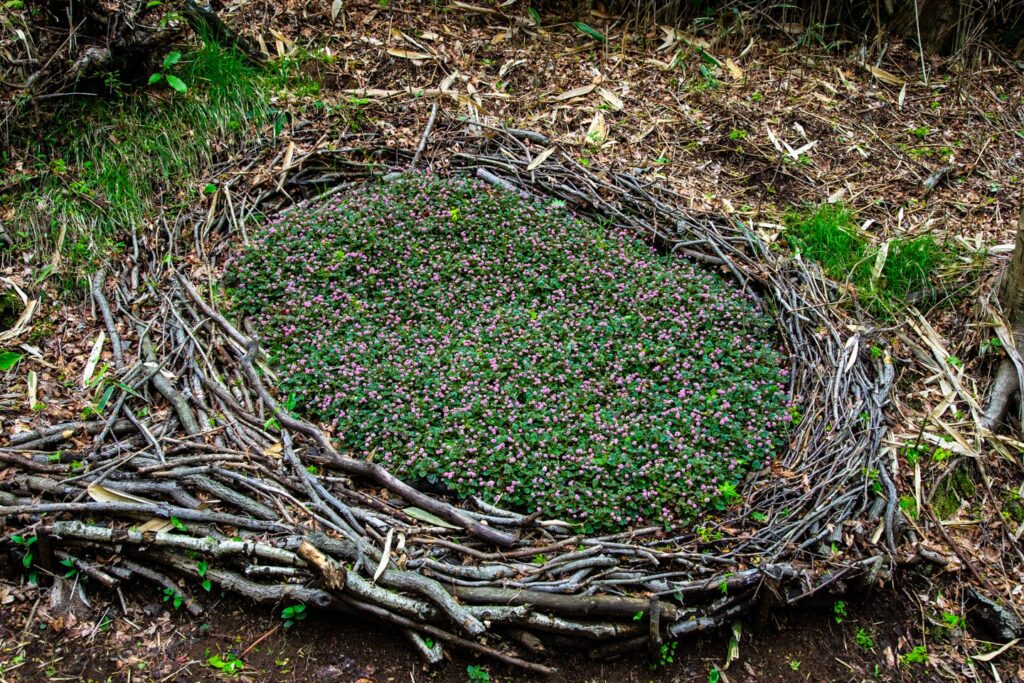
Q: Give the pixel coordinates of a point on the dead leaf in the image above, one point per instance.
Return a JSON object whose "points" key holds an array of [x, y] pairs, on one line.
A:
{"points": [[408, 54], [885, 76], [575, 92], [335, 10], [611, 98], [540, 158], [274, 450], [734, 70]]}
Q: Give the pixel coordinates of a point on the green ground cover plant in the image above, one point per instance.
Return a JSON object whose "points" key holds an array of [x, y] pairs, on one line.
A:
{"points": [[502, 347]]}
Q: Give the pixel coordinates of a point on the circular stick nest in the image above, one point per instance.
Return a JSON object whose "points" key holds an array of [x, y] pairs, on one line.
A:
{"points": [[214, 468]]}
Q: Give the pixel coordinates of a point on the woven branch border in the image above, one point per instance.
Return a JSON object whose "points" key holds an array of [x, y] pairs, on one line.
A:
{"points": [[347, 535]]}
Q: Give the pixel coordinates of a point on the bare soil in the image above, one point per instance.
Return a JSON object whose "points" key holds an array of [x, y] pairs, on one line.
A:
{"points": [[153, 641]]}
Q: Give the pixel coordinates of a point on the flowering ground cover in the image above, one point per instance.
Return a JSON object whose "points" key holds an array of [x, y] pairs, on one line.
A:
{"points": [[457, 333]]}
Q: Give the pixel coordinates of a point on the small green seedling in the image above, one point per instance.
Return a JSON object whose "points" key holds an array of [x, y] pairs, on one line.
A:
{"points": [[26, 543], [839, 609], [864, 640], [953, 621], [69, 563], [227, 663], [919, 655], [174, 597], [201, 569], [667, 654], [293, 614], [170, 60]]}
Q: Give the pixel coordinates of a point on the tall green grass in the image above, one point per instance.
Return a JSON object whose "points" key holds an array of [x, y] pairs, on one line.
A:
{"points": [[104, 165], [828, 234]]}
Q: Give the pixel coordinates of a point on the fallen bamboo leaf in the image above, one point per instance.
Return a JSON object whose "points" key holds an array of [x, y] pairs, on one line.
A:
{"points": [[670, 39], [597, 133], [575, 92], [852, 344], [428, 517], [448, 82], [611, 98], [33, 383], [21, 324], [880, 258], [385, 555], [473, 8], [103, 494], [408, 54], [282, 38], [509, 65], [335, 10], [387, 94], [156, 525], [989, 656], [885, 76], [94, 358], [540, 158]]}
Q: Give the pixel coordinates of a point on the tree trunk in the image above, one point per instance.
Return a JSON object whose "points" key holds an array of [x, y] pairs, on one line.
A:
{"points": [[1011, 296], [939, 20]]}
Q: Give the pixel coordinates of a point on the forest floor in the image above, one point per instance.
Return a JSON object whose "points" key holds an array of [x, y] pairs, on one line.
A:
{"points": [[751, 125]]}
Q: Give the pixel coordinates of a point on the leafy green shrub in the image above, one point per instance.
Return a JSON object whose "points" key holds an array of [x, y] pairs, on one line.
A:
{"points": [[500, 347]]}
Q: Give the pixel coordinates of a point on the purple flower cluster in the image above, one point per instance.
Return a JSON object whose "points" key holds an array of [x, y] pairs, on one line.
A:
{"points": [[508, 349]]}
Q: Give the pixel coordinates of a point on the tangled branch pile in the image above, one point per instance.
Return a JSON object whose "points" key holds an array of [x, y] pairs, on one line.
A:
{"points": [[188, 463]]}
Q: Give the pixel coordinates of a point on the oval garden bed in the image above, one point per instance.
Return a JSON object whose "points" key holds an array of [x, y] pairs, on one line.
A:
{"points": [[499, 348], [502, 347]]}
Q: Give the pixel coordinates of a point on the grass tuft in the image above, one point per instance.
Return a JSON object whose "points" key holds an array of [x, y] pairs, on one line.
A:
{"points": [[828, 234], [101, 166]]}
